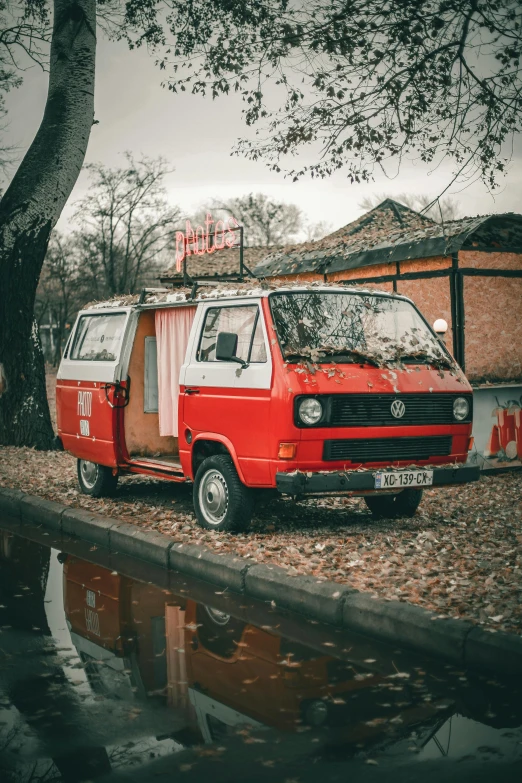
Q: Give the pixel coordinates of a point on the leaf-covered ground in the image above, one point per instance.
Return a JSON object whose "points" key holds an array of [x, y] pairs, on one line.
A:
{"points": [[461, 555]]}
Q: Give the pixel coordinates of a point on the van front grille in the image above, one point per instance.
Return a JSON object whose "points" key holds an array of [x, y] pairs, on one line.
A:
{"points": [[387, 449], [375, 410], [360, 410]]}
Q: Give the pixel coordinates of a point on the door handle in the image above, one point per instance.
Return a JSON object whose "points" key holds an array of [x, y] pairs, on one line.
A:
{"points": [[191, 391]]}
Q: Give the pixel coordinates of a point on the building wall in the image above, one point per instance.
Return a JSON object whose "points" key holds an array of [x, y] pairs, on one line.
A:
{"points": [[425, 264], [496, 260], [304, 277], [367, 272], [431, 295], [493, 317]]}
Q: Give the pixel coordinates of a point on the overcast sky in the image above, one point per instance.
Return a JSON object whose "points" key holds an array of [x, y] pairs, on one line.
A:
{"points": [[196, 136]]}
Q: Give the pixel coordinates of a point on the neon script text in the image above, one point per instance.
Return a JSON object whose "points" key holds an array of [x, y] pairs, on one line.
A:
{"points": [[205, 239]]}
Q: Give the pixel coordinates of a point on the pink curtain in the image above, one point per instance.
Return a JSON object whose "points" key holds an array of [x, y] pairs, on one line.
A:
{"points": [[172, 333]]}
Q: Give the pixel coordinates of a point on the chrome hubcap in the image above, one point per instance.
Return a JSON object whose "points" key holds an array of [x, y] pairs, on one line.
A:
{"points": [[217, 616], [89, 471], [213, 497]]}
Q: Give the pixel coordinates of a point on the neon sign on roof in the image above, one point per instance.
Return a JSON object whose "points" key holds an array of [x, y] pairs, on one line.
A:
{"points": [[205, 239]]}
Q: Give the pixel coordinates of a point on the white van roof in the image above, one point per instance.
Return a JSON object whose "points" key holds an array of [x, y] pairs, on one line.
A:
{"points": [[154, 298]]}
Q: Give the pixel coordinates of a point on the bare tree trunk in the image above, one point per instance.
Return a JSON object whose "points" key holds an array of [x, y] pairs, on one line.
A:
{"points": [[29, 210]]}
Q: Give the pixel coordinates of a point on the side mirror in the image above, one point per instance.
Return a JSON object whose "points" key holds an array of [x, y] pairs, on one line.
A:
{"points": [[440, 327], [226, 347]]}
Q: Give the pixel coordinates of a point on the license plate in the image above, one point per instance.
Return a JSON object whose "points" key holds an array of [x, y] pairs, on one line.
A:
{"points": [[403, 478]]}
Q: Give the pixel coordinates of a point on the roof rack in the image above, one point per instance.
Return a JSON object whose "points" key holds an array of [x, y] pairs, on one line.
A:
{"points": [[186, 281], [210, 281], [189, 282], [145, 291]]}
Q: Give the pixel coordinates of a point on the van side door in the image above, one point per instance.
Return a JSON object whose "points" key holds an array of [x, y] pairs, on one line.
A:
{"points": [[88, 403], [224, 399]]}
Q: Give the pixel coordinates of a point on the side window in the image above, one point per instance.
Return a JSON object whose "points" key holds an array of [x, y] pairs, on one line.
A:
{"points": [[150, 380], [245, 321], [98, 337]]}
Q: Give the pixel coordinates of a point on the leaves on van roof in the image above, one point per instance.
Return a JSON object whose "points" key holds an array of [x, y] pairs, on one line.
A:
{"points": [[216, 290]]}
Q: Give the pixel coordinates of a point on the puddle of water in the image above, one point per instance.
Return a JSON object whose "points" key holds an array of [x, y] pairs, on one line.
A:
{"points": [[108, 674]]}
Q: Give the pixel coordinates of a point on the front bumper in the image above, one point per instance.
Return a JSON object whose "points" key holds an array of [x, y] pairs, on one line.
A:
{"points": [[298, 483]]}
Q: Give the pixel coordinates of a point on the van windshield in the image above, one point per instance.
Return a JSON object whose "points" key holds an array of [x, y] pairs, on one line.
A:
{"points": [[358, 328]]}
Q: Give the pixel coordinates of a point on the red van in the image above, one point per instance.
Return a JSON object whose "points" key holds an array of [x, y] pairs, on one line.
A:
{"points": [[314, 389]]}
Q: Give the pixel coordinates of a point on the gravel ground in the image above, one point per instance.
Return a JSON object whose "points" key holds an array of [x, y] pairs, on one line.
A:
{"points": [[460, 555]]}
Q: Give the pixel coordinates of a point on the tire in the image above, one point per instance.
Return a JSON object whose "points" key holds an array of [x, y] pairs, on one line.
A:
{"points": [[404, 504], [221, 501], [95, 480]]}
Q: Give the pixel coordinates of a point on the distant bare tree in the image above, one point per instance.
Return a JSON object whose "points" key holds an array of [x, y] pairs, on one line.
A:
{"points": [[441, 211], [59, 294], [315, 231], [126, 226], [266, 222], [126, 223]]}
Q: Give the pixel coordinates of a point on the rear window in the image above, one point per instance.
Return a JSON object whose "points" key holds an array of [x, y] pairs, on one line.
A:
{"points": [[98, 337]]}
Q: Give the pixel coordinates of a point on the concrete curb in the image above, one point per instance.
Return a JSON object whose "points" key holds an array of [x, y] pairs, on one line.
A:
{"points": [[84, 524], [131, 540], [414, 626], [223, 570], [402, 624], [321, 600], [483, 646], [37, 511], [11, 502]]}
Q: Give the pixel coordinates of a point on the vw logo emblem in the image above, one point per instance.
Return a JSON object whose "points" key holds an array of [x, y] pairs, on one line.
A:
{"points": [[398, 409]]}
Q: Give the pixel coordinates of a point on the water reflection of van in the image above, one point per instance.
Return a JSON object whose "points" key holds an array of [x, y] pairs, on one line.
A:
{"points": [[106, 614], [220, 673], [275, 681], [235, 669], [304, 390]]}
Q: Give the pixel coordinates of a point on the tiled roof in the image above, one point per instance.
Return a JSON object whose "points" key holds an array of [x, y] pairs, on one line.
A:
{"points": [[388, 233], [222, 262], [392, 232]]}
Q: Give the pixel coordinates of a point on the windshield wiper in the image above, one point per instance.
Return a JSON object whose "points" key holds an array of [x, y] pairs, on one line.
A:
{"points": [[423, 358], [351, 357], [413, 358], [323, 356]]}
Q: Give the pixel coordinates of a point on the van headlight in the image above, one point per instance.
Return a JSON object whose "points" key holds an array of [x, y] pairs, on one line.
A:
{"points": [[310, 410], [460, 408]]}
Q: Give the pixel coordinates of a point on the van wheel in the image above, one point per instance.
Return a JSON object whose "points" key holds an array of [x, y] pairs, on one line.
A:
{"points": [[218, 632], [95, 480], [404, 504], [221, 501]]}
